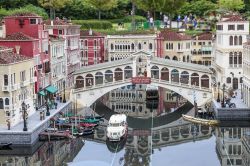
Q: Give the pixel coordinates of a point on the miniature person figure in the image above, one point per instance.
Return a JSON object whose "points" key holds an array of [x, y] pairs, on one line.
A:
{"points": [[151, 21], [165, 20]]}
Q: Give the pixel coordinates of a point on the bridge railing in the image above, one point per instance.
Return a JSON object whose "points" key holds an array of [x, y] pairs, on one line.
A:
{"points": [[106, 84]]}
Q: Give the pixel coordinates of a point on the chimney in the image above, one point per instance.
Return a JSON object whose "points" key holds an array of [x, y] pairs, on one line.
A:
{"points": [[90, 32], [17, 49]]}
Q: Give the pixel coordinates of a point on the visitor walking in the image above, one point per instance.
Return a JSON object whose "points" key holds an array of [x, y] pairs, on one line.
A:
{"points": [[165, 20], [151, 21]]}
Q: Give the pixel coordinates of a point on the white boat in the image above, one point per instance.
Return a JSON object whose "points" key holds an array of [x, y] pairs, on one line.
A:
{"points": [[117, 127]]}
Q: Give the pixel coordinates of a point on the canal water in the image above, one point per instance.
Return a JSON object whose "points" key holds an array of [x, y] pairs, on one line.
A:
{"points": [[157, 136]]}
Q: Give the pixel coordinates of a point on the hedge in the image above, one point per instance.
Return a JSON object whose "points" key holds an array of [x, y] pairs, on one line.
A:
{"points": [[129, 19], [93, 24]]}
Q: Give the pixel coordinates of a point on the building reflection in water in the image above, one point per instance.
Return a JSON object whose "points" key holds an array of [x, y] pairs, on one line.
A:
{"points": [[232, 144], [44, 154]]}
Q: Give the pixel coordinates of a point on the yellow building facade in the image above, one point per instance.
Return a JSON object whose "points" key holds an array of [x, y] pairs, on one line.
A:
{"points": [[16, 86]]}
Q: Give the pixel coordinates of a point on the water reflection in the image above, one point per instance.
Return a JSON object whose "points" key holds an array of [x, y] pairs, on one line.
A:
{"points": [[165, 139]]}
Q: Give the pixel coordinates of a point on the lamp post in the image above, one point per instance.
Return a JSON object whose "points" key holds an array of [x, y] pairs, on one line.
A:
{"points": [[24, 107], [218, 97], [223, 98], [46, 104], [64, 98]]}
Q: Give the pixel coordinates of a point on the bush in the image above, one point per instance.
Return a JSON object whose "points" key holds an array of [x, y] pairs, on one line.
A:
{"points": [[93, 24], [30, 9], [137, 19], [3, 13]]}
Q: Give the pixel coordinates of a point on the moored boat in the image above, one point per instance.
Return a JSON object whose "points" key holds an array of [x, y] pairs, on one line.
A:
{"points": [[117, 127], [201, 121]]}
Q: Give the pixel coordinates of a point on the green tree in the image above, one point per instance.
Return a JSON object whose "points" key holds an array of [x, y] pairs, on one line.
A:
{"points": [[53, 5], [10, 4], [231, 5], [103, 5], [148, 5], [198, 8], [30, 9]]}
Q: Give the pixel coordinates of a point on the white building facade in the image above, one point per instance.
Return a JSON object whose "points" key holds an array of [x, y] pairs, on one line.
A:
{"points": [[231, 33], [58, 62], [246, 73]]}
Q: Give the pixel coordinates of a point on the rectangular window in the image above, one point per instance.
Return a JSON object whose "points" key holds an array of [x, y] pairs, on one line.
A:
{"points": [[194, 43], [231, 27], [240, 27], [200, 43], [219, 27], [32, 21], [60, 32], [22, 76]]}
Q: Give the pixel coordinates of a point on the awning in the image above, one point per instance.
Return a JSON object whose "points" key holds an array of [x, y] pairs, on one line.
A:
{"points": [[42, 93], [51, 89]]}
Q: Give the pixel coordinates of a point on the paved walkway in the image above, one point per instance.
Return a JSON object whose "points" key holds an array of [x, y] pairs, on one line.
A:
{"points": [[237, 100], [34, 121]]}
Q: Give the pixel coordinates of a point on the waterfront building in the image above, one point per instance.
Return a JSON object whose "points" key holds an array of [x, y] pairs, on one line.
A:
{"points": [[202, 49], [174, 45], [71, 33], [25, 33], [246, 73], [124, 46], [58, 61], [17, 85], [91, 47], [231, 33]]}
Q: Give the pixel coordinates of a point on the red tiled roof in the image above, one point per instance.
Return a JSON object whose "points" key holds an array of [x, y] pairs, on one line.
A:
{"points": [[17, 36], [234, 18], [86, 33], [205, 36], [173, 36], [8, 56]]}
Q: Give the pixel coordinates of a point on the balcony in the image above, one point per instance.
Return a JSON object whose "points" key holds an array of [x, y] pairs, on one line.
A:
{"points": [[7, 107], [5, 88]]}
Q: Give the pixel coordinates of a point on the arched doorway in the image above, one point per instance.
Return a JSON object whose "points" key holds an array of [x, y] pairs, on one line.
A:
{"points": [[167, 57], [195, 79], [79, 82], [175, 75], [175, 58], [128, 71], [98, 78], [108, 76], [165, 74], [205, 81], [235, 83], [89, 79], [184, 77], [155, 72], [118, 74]]}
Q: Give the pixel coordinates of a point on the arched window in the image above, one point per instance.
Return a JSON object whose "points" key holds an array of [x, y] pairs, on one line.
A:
{"points": [[112, 46], [235, 59], [230, 59], [5, 79], [235, 40], [229, 80], [240, 40], [1, 103], [139, 46], [231, 40], [150, 46], [183, 58], [188, 58], [7, 101], [240, 58], [132, 46], [167, 46]]}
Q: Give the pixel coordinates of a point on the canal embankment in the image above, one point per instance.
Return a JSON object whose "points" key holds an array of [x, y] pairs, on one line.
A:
{"points": [[35, 125]]}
